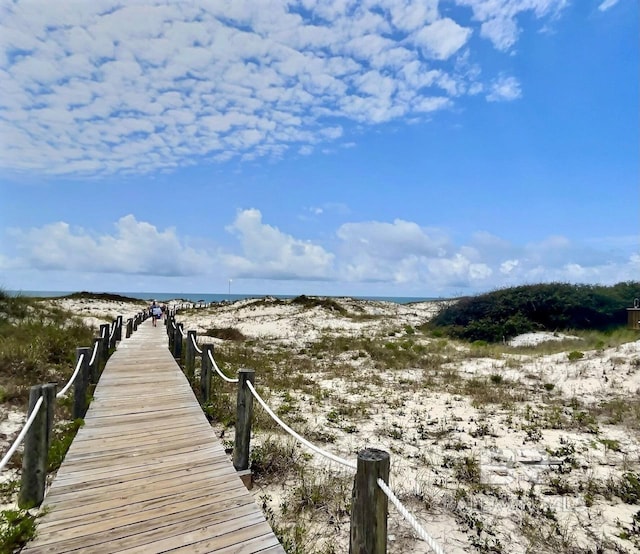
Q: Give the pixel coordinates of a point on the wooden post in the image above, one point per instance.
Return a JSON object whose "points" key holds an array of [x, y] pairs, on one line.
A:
{"points": [[104, 334], [104, 354], [172, 336], [129, 327], [119, 328], [369, 504], [244, 414], [36, 447], [177, 341], [94, 368], [49, 394], [80, 384], [190, 356], [205, 373], [112, 337]]}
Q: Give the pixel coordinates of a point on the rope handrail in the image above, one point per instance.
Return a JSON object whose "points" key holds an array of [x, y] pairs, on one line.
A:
{"points": [[73, 377], [295, 435], [22, 434], [410, 519], [394, 500], [181, 332], [113, 330], [195, 344], [222, 375], [94, 353]]}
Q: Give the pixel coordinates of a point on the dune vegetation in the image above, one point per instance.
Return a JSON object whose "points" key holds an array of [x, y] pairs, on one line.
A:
{"points": [[502, 314]]}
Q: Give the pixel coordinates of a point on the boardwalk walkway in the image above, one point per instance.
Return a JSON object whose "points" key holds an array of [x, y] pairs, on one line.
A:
{"points": [[146, 472]]}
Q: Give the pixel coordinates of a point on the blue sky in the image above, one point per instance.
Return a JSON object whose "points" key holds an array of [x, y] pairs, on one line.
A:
{"points": [[380, 147]]}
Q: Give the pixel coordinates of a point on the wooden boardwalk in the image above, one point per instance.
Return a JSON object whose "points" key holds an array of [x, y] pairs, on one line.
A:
{"points": [[146, 472]]}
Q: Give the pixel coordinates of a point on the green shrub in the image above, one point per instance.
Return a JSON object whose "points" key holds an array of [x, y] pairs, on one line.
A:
{"points": [[502, 314], [275, 460], [17, 527], [628, 489], [225, 333], [575, 355]]}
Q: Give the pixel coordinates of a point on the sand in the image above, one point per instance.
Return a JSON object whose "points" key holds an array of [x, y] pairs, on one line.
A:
{"points": [[542, 460]]}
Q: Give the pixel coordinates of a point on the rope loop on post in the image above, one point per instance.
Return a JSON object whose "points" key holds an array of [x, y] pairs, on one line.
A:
{"points": [[195, 344], [22, 434], [222, 375], [94, 353], [73, 377]]}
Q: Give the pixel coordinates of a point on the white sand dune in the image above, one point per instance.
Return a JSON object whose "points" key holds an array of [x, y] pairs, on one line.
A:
{"points": [[491, 453]]}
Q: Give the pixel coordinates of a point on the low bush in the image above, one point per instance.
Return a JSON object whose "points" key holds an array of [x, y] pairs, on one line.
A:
{"points": [[226, 333], [502, 314]]}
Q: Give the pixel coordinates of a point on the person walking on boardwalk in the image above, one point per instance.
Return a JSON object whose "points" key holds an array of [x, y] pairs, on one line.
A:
{"points": [[156, 313]]}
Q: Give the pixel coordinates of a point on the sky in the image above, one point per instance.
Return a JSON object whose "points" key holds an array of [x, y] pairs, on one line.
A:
{"points": [[333, 147]]}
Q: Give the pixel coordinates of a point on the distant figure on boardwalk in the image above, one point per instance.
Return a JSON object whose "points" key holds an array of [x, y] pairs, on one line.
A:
{"points": [[156, 313]]}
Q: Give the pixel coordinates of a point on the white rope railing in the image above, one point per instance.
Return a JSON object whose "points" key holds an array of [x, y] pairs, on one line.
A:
{"points": [[94, 353], [410, 519], [195, 344], [73, 377], [181, 332], [394, 499], [295, 435], [22, 434], [113, 330], [222, 375]]}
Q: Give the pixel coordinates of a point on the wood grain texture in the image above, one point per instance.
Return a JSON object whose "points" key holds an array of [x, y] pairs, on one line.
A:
{"points": [[146, 473]]}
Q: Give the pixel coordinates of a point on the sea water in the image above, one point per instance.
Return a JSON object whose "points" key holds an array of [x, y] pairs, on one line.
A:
{"points": [[204, 297]]}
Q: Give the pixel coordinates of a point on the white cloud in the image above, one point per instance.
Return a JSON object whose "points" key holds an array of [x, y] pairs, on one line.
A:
{"points": [[607, 4], [267, 252], [102, 87], [442, 38], [135, 248], [504, 89], [399, 253], [499, 17]]}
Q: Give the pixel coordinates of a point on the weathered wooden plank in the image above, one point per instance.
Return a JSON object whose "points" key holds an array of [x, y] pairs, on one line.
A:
{"points": [[71, 514]]}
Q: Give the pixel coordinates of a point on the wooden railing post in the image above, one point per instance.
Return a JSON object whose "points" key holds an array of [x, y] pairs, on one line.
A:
{"points": [[205, 373], [129, 327], [80, 384], [49, 391], [104, 334], [113, 337], [172, 336], [190, 356], [36, 447], [94, 368], [244, 414], [177, 341], [119, 328], [369, 504]]}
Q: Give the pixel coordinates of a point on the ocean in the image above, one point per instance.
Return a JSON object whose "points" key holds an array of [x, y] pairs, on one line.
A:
{"points": [[204, 297]]}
